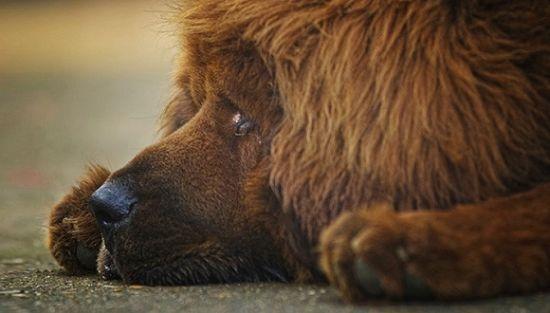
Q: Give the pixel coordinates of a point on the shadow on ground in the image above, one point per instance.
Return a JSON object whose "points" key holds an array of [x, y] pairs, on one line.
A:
{"points": [[84, 82]]}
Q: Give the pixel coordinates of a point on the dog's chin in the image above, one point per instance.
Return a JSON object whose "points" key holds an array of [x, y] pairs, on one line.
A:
{"points": [[189, 271]]}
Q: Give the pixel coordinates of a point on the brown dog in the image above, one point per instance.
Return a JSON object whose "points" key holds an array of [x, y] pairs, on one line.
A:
{"points": [[397, 148]]}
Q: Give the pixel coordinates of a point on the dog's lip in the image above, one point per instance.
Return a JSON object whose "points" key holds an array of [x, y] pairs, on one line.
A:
{"points": [[110, 272], [108, 234]]}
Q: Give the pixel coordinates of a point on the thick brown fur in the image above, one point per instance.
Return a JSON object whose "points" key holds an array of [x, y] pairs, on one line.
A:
{"points": [[422, 103], [405, 105], [71, 223]]}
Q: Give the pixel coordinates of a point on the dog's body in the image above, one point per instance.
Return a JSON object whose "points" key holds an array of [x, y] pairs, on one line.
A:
{"points": [[427, 123]]}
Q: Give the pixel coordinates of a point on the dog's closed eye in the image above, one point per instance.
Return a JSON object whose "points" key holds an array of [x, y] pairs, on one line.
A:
{"points": [[242, 125]]}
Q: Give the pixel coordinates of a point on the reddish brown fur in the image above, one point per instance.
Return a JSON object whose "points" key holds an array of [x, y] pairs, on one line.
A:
{"points": [[71, 223], [406, 105], [413, 104], [499, 246]]}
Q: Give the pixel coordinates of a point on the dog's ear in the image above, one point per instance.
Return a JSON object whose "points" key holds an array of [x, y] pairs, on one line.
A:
{"points": [[73, 237]]}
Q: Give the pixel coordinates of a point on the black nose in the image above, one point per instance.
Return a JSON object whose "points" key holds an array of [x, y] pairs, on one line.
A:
{"points": [[111, 203]]}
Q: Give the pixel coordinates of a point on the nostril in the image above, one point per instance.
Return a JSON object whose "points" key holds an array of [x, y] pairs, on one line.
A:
{"points": [[103, 213], [111, 203], [103, 218]]}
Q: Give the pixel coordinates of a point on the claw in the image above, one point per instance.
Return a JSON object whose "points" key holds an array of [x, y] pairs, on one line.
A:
{"points": [[416, 288]]}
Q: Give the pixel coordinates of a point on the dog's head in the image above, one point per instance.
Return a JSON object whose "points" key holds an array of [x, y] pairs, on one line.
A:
{"points": [[183, 210], [264, 110]]}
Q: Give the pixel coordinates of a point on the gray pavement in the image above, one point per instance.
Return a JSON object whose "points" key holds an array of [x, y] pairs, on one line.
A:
{"points": [[38, 290], [85, 83]]}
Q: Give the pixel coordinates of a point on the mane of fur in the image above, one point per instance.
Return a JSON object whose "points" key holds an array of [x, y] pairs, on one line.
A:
{"points": [[423, 104]]}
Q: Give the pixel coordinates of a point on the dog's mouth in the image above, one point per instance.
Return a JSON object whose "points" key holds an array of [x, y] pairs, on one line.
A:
{"points": [[106, 266]]}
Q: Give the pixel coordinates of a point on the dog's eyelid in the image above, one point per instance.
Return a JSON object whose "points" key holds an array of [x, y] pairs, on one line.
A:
{"points": [[225, 100]]}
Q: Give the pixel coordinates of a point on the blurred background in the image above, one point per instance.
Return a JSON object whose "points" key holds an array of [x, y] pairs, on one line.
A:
{"points": [[80, 81]]}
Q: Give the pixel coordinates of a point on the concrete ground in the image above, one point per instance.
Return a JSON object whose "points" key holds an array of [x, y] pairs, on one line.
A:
{"points": [[84, 81]]}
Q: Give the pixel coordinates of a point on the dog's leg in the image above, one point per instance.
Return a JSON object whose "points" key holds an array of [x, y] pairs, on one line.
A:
{"points": [[73, 237], [472, 251]]}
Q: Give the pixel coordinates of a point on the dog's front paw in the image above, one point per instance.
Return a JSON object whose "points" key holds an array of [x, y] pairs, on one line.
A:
{"points": [[73, 236], [368, 254]]}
